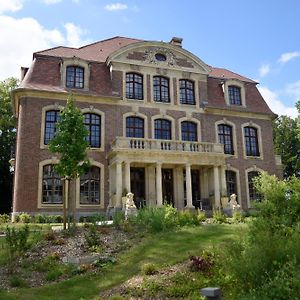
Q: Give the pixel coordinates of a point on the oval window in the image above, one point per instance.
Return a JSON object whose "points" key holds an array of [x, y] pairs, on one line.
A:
{"points": [[160, 57]]}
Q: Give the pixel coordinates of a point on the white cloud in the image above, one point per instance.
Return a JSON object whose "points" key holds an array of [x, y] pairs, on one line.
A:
{"points": [[285, 57], [10, 5], [275, 104], [21, 37], [293, 89], [115, 6], [264, 70], [50, 2]]}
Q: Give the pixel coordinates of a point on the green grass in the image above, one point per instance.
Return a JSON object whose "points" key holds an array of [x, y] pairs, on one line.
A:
{"points": [[162, 249]]}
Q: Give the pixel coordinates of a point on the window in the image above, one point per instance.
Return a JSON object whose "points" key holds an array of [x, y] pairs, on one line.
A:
{"points": [[251, 141], [253, 194], [162, 129], [161, 89], [51, 118], [52, 190], [160, 57], [225, 138], [231, 183], [75, 77], [92, 123], [90, 186], [134, 86], [189, 131], [234, 93], [134, 127], [187, 95]]}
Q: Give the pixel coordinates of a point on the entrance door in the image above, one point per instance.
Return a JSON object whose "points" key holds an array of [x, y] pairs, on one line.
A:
{"points": [[167, 186], [137, 183]]}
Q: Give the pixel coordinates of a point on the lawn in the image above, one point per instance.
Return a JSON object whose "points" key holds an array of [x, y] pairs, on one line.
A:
{"points": [[162, 249]]}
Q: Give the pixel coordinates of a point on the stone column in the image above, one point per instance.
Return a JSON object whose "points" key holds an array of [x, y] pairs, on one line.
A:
{"points": [[118, 184], [216, 187], [127, 176], [223, 181], [205, 187], [189, 199], [159, 197]]}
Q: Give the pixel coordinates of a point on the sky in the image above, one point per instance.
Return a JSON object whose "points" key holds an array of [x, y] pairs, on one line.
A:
{"points": [[259, 39]]}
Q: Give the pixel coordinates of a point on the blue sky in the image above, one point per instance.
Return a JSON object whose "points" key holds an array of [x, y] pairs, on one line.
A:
{"points": [[258, 39]]}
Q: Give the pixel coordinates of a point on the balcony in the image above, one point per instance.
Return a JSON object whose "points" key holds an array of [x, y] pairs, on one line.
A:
{"points": [[134, 144]]}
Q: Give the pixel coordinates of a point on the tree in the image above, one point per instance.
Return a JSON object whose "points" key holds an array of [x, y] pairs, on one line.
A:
{"points": [[287, 144], [70, 142], [7, 142]]}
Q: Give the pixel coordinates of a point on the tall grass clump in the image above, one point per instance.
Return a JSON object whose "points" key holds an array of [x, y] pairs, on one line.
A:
{"points": [[265, 264]]}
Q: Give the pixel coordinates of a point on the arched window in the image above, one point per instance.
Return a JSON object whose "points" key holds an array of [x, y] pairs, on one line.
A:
{"points": [[52, 189], [90, 186], [234, 93], [189, 131], [231, 183], [75, 77], [162, 129], [51, 118], [161, 92], [251, 141], [134, 86], [92, 123], [135, 127], [187, 94], [225, 138], [253, 194]]}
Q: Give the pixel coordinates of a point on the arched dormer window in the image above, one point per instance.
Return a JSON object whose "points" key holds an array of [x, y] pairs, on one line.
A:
{"points": [[234, 94], [187, 92], [134, 86], [75, 77], [161, 89]]}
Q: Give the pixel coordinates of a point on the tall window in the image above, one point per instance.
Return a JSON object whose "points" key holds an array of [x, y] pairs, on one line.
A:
{"points": [[187, 94], [253, 194], [134, 127], [90, 186], [75, 77], [231, 183], [92, 123], [162, 129], [251, 141], [51, 118], [234, 93], [189, 131], [225, 138], [161, 91], [134, 86], [52, 189]]}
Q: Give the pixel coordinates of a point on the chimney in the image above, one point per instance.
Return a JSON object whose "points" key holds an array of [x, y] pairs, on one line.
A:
{"points": [[23, 72], [176, 41]]}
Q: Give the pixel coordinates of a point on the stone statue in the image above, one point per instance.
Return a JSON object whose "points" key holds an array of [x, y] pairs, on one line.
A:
{"points": [[130, 208], [233, 203]]}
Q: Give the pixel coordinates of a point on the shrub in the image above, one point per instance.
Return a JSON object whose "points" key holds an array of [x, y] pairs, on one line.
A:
{"points": [[151, 219], [50, 235], [218, 216], [149, 269], [17, 281], [200, 263], [171, 216], [187, 218], [25, 218], [91, 237], [53, 274], [4, 218], [39, 218], [201, 216], [118, 218], [238, 216]]}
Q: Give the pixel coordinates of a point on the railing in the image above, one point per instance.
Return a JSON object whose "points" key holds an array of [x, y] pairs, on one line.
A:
{"points": [[165, 145]]}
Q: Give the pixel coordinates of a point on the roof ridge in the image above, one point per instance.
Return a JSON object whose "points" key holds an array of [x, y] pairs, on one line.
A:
{"points": [[56, 47], [234, 73]]}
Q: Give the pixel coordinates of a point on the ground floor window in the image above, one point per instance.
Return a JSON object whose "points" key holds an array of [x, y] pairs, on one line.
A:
{"points": [[52, 190], [90, 186], [253, 194], [231, 183]]}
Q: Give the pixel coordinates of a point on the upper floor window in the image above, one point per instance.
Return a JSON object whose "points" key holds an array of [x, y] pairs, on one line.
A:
{"points": [[225, 138], [234, 93], [251, 141], [187, 94], [231, 183], [52, 188], [135, 127], [92, 123], [51, 118], [75, 77], [189, 131], [162, 129], [161, 92], [253, 194], [134, 86], [90, 186]]}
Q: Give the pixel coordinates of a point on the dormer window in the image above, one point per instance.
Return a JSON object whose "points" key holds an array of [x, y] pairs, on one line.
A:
{"points": [[75, 77], [234, 93]]}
